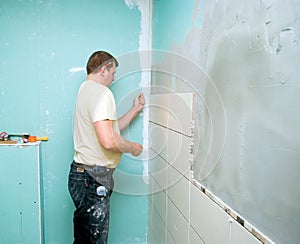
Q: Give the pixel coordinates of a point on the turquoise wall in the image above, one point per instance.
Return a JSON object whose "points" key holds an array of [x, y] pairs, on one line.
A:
{"points": [[40, 42], [170, 23]]}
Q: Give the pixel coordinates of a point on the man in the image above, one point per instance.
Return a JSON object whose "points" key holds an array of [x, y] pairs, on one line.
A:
{"points": [[98, 148]]}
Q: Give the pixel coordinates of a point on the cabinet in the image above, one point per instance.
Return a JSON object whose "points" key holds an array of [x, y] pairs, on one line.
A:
{"points": [[20, 191]]}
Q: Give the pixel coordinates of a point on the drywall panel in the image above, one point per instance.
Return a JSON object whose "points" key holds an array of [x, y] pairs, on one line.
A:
{"points": [[46, 44], [253, 60], [20, 187]]}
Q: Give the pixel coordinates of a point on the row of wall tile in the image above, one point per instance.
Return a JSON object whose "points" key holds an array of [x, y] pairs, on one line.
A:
{"points": [[182, 213], [179, 212]]}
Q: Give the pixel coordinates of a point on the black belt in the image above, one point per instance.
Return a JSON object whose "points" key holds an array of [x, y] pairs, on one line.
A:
{"points": [[94, 169], [101, 174]]}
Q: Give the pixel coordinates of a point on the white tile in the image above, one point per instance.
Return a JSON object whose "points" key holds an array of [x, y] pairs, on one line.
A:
{"points": [[158, 227], [240, 235], [170, 240], [180, 109], [157, 164], [175, 149], [158, 137], [150, 235], [177, 225], [150, 217], [194, 237], [169, 167], [158, 108], [208, 219], [174, 110], [178, 191], [178, 152], [158, 170], [150, 188], [151, 239], [159, 200]]}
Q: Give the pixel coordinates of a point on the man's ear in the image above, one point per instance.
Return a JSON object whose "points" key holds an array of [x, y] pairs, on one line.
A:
{"points": [[102, 70]]}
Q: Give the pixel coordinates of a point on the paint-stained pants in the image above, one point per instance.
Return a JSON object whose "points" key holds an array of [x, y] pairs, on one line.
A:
{"points": [[91, 217]]}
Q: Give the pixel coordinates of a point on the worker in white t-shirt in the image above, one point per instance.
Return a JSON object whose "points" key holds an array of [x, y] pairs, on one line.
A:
{"points": [[98, 147]]}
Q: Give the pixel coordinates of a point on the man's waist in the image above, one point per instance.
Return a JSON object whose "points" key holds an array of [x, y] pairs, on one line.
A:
{"points": [[97, 169], [94, 159]]}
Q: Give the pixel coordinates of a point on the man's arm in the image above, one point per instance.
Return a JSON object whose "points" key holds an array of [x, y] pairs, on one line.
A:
{"points": [[113, 141], [138, 105]]}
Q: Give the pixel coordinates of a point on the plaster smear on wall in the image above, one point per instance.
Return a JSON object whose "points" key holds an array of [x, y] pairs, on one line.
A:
{"points": [[250, 50], [145, 66]]}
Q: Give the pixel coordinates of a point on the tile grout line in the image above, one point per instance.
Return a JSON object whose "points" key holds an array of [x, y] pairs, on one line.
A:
{"points": [[168, 128], [244, 223]]}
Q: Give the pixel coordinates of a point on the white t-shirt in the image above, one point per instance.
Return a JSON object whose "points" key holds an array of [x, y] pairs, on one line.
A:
{"points": [[95, 102]]}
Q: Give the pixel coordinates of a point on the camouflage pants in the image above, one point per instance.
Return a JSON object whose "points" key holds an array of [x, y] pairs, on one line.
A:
{"points": [[91, 216]]}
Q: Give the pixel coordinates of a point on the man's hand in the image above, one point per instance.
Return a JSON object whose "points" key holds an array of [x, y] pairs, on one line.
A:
{"points": [[139, 102], [138, 105], [138, 148], [113, 141]]}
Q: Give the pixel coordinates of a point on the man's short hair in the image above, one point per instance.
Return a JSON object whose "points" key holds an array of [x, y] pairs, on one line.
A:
{"points": [[99, 59]]}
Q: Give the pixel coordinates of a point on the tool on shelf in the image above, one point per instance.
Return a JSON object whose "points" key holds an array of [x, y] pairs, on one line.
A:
{"points": [[6, 138]]}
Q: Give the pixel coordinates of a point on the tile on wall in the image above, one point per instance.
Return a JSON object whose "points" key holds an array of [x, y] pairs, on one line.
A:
{"points": [[209, 221], [150, 188], [180, 110], [159, 200], [170, 239], [174, 111], [178, 191], [238, 234], [194, 238], [158, 170], [158, 136], [179, 153], [173, 147], [180, 211], [177, 225], [158, 227], [158, 109]]}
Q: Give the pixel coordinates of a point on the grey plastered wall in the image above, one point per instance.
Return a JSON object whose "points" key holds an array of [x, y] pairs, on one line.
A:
{"points": [[250, 51]]}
